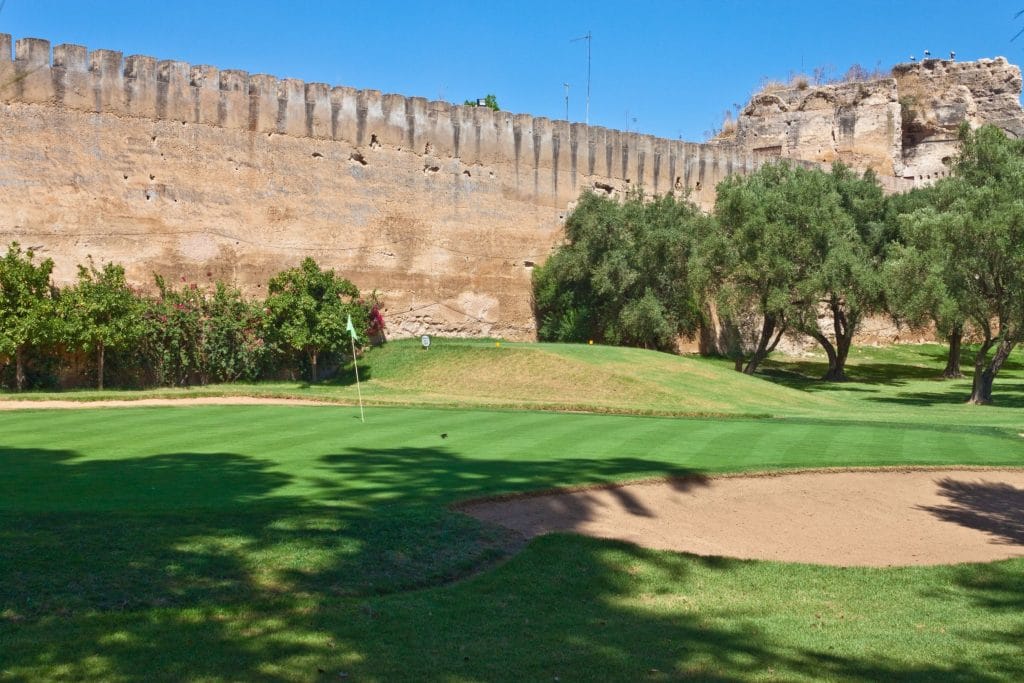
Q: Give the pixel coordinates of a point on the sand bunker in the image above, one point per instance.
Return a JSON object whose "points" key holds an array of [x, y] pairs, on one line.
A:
{"points": [[854, 518]]}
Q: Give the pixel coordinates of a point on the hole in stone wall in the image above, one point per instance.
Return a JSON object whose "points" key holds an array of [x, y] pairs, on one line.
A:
{"points": [[125, 176], [152, 177], [490, 174], [358, 158], [697, 187], [528, 264], [431, 169], [318, 155], [604, 187], [467, 174], [153, 139]]}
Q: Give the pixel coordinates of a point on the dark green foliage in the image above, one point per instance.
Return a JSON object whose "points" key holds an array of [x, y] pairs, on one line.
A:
{"points": [[308, 309], [490, 101], [26, 308], [915, 291], [199, 337], [100, 313], [963, 254], [180, 337], [798, 245], [624, 275]]}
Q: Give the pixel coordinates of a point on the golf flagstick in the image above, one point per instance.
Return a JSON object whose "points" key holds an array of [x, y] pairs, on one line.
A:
{"points": [[359, 392]]}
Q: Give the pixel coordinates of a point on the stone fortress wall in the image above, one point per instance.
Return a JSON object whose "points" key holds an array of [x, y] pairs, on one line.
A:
{"points": [[201, 174], [198, 173]]}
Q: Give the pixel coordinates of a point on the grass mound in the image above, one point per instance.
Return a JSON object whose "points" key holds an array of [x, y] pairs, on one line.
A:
{"points": [[567, 377]]}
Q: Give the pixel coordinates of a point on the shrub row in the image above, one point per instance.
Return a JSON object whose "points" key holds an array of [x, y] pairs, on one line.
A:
{"points": [[102, 331]]}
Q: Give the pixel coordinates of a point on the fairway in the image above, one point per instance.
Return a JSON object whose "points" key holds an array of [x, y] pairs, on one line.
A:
{"points": [[258, 542]]}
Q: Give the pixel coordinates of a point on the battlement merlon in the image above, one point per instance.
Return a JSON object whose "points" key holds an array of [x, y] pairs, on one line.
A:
{"points": [[552, 157]]}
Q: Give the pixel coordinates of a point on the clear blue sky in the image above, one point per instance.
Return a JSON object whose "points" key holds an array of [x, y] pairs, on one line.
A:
{"points": [[674, 67]]}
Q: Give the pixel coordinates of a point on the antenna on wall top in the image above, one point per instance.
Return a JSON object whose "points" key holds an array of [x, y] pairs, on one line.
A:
{"points": [[587, 38]]}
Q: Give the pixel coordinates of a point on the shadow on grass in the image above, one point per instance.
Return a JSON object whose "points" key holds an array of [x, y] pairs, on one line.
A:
{"points": [[1005, 394], [200, 566]]}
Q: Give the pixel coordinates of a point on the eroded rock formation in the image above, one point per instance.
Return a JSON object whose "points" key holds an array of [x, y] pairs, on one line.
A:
{"points": [[903, 127]]}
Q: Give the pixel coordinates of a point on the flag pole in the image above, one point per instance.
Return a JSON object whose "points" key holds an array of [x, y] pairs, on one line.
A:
{"points": [[352, 335], [359, 391]]}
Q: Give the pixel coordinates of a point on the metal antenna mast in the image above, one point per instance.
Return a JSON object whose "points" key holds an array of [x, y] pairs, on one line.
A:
{"points": [[587, 38], [566, 85]]}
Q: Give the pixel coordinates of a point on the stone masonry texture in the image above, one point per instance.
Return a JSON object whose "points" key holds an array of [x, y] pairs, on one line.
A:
{"points": [[199, 174]]}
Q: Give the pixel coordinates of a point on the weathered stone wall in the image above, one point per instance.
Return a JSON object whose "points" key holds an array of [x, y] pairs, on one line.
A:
{"points": [[856, 123], [936, 96], [200, 174], [903, 127], [197, 173]]}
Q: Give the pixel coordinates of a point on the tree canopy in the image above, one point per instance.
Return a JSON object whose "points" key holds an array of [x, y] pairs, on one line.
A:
{"points": [[308, 307], [797, 245], [100, 312], [26, 305], [624, 275], [967, 249]]}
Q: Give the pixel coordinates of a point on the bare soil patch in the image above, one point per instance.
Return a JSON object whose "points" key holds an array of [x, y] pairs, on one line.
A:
{"points": [[851, 518]]}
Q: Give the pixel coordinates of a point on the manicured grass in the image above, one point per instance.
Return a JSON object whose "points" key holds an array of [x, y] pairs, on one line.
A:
{"points": [[295, 543], [477, 373]]}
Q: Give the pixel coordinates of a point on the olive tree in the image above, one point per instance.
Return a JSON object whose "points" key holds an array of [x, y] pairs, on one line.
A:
{"points": [[624, 275], [797, 244], [970, 248]]}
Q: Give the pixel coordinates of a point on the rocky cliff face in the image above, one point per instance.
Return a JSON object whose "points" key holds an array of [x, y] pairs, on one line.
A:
{"points": [[936, 96], [856, 123], [903, 127]]}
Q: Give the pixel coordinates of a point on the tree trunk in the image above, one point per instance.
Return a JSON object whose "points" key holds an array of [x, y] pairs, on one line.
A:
{"points": [[312, 365], [843, 344], [980, 394], [19, 369], [100, 358], [837, 354], [830, 351], [985, 375], [765, 345], [955, 338]]}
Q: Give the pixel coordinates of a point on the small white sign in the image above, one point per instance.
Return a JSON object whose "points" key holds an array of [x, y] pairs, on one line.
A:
{"points": [[425, 340]]}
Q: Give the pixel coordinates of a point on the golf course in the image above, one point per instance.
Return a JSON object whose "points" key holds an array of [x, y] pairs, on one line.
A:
{"points": [[296, 542]]}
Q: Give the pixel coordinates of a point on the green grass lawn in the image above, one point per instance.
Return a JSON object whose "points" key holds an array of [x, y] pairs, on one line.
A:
{"points": [[296, 543]]}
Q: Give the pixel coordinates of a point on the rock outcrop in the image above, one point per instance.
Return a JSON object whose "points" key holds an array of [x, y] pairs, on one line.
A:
{"points": [[904, 127], [936, 96]]}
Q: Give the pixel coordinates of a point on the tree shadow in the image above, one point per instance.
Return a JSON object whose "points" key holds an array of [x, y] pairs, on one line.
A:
{"points": [[1005, 394], [996, 508], [213, 566]]}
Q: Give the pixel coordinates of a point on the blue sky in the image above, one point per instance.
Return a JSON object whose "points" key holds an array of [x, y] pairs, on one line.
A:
{"points": [[666, 68]]}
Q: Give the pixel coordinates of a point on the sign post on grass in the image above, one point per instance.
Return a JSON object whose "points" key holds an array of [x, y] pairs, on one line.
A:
{"points": [[359, 392]]}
